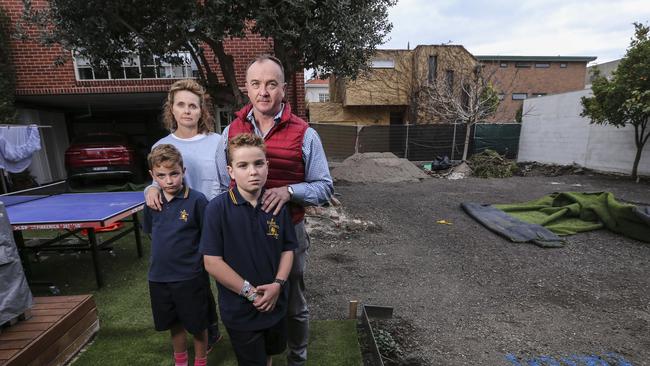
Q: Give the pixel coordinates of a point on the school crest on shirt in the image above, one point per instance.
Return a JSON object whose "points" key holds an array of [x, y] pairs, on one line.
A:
{"points": [[184, 215], [274, 229]]}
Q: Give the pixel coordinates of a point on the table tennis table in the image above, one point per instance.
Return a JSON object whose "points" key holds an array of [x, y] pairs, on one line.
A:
{"points": [[73, 212]]}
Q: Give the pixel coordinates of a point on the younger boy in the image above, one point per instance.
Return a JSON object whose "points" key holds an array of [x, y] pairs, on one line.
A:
{"points": [[249, 252], [178, 284]]}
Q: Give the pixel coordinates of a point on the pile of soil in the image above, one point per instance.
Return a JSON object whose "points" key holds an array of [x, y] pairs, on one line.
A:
{"points": [[377, 168]]}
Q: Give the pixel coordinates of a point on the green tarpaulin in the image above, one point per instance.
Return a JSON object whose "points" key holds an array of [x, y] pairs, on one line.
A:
{"points": [[568, 213]]}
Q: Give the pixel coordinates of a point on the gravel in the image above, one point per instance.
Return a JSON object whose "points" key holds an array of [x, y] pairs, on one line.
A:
{"points": [[469, 297]]}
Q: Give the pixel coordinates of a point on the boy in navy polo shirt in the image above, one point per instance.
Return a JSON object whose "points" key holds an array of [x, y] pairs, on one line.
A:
{"points": [[178, 284], [249, 252]]}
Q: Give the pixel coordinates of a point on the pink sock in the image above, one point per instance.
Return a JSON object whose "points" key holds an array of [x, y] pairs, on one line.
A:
{"points": [[180, 358], [201, 361]]}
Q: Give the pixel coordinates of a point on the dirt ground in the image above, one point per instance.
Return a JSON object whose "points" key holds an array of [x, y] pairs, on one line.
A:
{"points": [[465, 296]]}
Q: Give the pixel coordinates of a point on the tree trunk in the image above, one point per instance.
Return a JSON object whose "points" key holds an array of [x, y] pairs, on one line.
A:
{"points": [[468, 131], [640, 138], [637, 159], [228, 70]]}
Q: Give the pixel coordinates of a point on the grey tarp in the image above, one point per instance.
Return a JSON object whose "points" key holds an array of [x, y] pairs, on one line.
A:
{"points": [[15, 296], [510, 227]]}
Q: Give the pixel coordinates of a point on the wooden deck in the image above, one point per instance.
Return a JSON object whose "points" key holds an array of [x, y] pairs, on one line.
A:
{"points": [[59, 327]]}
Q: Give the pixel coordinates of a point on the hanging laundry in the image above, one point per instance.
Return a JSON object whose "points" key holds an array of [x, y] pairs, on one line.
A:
{"points": [[17, 146]]}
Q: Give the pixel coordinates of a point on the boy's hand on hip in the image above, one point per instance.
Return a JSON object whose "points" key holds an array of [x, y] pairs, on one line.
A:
{"points": [[270, 293], [153, 199], [274, 199]]}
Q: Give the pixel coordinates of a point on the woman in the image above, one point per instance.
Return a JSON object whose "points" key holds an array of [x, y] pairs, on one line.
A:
{"points": [[186, 115]]}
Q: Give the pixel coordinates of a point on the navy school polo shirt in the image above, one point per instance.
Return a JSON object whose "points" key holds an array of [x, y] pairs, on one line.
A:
{"points": [[250, 242], [175, 235]]}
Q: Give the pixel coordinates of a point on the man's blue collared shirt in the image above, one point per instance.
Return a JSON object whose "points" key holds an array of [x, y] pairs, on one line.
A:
{"points": [[317, 188]]}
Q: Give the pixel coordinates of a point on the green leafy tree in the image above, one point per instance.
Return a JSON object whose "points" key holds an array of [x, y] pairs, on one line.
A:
{"points": [[7, 75], [330, 35], [625, 98]]}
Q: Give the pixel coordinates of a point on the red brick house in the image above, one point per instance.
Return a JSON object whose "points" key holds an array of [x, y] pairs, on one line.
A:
{"points": [[73, 98], [520, 77]]}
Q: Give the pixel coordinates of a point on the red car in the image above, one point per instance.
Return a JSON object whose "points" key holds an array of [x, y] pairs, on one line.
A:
{"points": [[102, 154]]}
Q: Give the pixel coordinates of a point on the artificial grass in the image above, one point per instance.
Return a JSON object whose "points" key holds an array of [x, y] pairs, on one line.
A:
{"points": [[126, 335]]}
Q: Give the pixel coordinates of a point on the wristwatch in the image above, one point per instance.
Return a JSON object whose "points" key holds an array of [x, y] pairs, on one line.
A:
{"points": [[281, 282], [290, 191]]}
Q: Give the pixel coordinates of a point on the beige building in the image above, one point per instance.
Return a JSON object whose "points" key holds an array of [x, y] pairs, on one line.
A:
{"points": [[393, 90]]}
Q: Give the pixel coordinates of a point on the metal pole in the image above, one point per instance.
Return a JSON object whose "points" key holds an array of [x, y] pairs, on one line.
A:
{"points": [[136, 230], [356, 141], [406, 149]]}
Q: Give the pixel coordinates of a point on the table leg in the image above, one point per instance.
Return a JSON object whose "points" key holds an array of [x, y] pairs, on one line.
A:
{"points": [[136, 230], [94, 250], [22, 251]]}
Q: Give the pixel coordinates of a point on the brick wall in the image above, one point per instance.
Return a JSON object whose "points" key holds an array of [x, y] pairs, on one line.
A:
{"points": [[532, 80], [37, 74]]}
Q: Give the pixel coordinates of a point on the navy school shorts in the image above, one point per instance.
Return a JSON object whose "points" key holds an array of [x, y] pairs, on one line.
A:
{"points": [[184, 302], [252, 347]]}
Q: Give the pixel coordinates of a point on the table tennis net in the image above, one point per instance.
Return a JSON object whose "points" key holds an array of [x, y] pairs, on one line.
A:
{"points": [[31, 194]]}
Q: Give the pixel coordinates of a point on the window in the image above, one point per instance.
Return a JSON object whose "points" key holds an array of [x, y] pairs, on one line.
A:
{"points": [[542, 65], [519, 96], [382, 64], [503, 64], [563, 65], [139, 66], [449, 78], [522, 64], [539, 94], [323, 97], [433, 66]]}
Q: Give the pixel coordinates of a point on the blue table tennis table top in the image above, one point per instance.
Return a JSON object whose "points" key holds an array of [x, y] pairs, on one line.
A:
{"points": [[71, 210]]}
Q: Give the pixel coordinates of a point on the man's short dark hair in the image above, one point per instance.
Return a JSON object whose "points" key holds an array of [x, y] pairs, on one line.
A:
{"points": [[267, 57]]}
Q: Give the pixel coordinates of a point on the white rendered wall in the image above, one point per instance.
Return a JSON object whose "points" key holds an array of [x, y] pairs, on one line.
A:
{"points": [[553, 132], [312, 91]]}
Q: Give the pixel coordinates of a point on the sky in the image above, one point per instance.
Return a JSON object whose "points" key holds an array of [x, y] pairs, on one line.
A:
{"points": [[525, 27]]}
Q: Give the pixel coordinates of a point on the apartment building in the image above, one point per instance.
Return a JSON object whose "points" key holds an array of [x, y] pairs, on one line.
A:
{"points": [[517, 78], [392, 91]]}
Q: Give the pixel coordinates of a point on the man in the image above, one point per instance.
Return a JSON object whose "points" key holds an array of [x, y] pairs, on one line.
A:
{"points": [[298, 176]]}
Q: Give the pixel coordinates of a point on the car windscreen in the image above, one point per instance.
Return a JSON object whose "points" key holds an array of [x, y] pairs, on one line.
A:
{"points": [[100, 139]]}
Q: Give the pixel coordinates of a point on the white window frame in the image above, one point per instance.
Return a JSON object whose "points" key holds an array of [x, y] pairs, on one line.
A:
{"points": [[162, 70], [323, 97], [386, 63], [519, 96]]}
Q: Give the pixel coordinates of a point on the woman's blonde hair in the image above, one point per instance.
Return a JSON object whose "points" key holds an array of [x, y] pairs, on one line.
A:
{"points": [[205, 124]]}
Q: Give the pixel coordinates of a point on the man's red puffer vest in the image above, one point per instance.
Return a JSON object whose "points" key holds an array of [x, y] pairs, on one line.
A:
{"points": [[283, 150]]}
